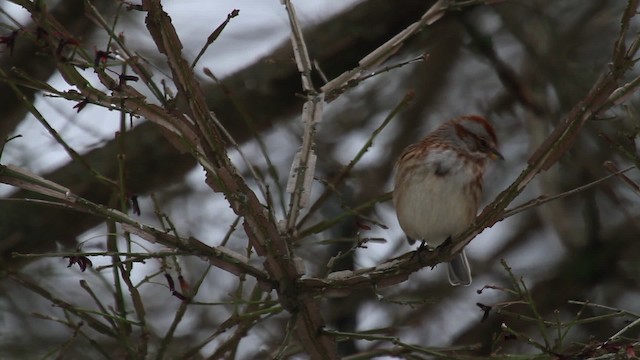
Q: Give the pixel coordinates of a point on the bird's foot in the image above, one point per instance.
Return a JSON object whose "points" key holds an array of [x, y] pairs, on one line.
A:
{"points": [[423, 246]]}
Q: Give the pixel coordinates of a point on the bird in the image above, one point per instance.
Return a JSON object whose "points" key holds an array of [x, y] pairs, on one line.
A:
{"points": [[438, 185]]}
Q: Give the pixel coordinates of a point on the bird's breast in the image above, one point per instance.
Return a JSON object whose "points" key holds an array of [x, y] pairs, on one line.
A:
{"points": [[436, 198]]}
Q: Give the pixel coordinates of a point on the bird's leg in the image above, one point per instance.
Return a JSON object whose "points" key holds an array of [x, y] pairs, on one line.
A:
{"points": [[445, 243], [422, 247]]}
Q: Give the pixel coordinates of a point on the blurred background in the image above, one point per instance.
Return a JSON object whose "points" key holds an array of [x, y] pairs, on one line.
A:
{"points": [[521, 64]]}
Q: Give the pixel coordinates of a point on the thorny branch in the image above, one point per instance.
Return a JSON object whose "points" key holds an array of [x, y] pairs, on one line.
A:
{"points": [[223, 177], [197, 130]]}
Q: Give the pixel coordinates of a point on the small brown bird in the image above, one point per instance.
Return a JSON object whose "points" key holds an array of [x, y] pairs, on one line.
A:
{"points": [[438, 185]]}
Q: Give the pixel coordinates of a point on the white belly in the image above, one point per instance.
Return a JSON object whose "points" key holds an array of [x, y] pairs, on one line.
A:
{"points": [[438, 206]]}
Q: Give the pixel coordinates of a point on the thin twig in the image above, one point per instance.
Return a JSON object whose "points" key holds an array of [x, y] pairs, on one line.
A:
{"points": [[545, 199], [214, 35], [251, 124], [383, 52]]}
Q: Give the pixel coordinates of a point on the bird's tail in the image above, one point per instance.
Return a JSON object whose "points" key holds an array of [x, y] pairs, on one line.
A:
{"points": [[459, 271]]}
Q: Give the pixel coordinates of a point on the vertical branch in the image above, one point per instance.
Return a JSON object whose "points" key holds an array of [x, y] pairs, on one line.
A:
{"points": [[308, 320], [299, 48], [304, 162]]}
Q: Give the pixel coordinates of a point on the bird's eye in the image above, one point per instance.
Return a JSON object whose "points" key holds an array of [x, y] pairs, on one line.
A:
{"points": [[483, 144]]}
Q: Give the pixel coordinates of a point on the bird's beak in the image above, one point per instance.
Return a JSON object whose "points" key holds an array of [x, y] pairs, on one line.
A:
{"points": [[494, 154]]}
